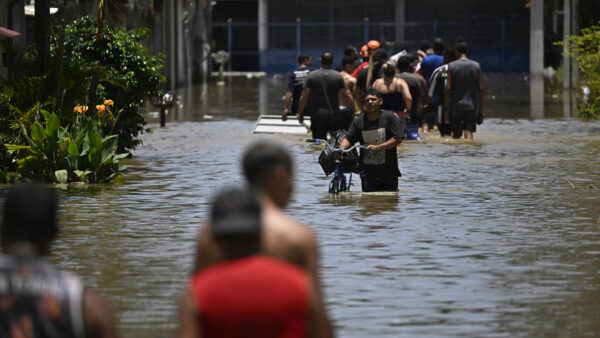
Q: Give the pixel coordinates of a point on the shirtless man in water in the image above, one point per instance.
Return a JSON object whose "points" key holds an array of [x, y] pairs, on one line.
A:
{"points": [[268, 169]]}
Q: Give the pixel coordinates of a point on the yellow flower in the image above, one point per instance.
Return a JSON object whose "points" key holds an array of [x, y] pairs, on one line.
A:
{"points": [[109, 103], [83, 109]]}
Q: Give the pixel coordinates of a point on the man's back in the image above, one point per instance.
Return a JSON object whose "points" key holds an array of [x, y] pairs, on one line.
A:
{"points": [[325, 85], [464, 74], [34, 292], [296, 83], [282, 238], [416, 86], [257, 296]]}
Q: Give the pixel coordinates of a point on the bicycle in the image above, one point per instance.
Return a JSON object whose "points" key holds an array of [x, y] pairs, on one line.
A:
{"points": [[338, 183]]}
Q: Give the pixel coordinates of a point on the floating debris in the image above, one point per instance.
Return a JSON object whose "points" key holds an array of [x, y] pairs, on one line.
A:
{"points": [[571, 183]]}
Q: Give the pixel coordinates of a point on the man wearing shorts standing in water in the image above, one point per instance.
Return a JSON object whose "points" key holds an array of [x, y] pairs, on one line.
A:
{"points": [[381, 132], [464, 94], [327, 90]]}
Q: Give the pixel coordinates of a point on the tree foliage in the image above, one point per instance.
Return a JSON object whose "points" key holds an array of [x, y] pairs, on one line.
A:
{"points": [[586, 49]]}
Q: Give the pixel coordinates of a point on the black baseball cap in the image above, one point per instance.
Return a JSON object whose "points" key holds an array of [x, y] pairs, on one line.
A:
{"points": [[235, 212]]}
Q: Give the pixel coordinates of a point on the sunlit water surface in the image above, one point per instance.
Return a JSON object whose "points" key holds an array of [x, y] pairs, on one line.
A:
{"points": [[497, 237]]}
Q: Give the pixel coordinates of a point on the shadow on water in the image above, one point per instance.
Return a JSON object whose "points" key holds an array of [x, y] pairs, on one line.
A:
{"points": [[496, 237]]}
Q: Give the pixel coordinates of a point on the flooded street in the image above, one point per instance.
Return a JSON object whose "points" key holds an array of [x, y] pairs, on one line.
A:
{"points": [[495, 238]]}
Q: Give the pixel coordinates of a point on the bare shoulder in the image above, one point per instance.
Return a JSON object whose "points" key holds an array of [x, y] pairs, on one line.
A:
{"points": [[281, 225]]}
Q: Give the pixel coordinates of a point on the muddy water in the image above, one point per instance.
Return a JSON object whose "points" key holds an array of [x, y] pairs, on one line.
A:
{"points": [[497, 237]]}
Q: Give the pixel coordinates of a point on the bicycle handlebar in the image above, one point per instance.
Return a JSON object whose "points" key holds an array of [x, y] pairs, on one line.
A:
{"points": [[318, 141]]}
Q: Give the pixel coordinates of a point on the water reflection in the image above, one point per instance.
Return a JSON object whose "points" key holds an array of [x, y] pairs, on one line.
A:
{"points": [[536, 96]]}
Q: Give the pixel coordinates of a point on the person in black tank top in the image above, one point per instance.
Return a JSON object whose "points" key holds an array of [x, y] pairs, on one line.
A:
{"points": [[394, 92], [37, 299]]}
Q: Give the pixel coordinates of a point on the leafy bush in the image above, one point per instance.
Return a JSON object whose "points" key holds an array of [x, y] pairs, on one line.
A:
{"points": [[126, 73], [77, 152], [586, 49]]}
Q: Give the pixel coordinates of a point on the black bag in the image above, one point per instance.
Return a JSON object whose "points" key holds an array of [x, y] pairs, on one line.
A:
{"points": [[349, 161]]}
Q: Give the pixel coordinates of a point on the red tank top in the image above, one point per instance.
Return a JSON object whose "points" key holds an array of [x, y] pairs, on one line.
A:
{"points": [[252, 297]]}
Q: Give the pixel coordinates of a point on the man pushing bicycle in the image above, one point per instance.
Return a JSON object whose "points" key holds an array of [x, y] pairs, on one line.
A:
{"points": [[380, 132]]}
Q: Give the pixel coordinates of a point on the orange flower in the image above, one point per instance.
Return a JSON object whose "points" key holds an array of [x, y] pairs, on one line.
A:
{"points": [[83, 109], [76, 109], [109, 103], [101, 108]]}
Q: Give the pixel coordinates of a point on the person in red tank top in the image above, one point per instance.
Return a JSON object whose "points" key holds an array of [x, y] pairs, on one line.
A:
{"points": [[248, 294]]}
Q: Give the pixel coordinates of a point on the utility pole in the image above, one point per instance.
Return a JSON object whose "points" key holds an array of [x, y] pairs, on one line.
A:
{"points": [[536, 59]]}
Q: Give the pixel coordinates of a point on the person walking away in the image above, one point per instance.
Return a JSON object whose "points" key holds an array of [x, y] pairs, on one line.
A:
{"points": [[248, 293], [395, 93], [428, 65], [381, 132], [464, 94], [268, 169], [369, 74], [327, 90], [296, 82], [417, 87], [437, 91], [365, 52], [36, 298]]}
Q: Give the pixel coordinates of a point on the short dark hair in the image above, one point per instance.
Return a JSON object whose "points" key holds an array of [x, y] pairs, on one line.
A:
{"points": [[349, 50], [327, 59], [380, 56], [449, 56], [29, 215], [373, 91], [462, 47], [303, 57], [439, 46], [424, 45], [260, 160], [389, 69], [347, 60]]}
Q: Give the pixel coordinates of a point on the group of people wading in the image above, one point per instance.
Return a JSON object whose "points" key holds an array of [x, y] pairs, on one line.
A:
{"points": [[434, 88]]}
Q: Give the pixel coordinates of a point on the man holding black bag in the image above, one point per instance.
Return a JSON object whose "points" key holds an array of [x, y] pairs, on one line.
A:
{"points": [[327, 89]]}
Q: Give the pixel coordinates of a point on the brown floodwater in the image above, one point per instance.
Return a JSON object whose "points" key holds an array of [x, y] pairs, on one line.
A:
{"points": [[499, 237]]}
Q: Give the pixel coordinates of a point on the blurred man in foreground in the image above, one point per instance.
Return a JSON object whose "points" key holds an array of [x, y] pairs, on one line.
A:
{"points": [[268, 169], [248, 294], [37, 299]]}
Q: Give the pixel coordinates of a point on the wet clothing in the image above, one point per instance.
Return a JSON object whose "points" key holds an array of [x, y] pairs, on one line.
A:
{"points": [[429, 64], [255, 296], [437, 89], [31, 289], [379, 171], [464, 94], [296, 82], [464, 91], [325, 85], [416, 86], [393, 101]]}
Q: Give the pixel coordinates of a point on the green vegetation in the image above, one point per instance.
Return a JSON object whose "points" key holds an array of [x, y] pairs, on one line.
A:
{"points": [[586, 49], [46, 130]]}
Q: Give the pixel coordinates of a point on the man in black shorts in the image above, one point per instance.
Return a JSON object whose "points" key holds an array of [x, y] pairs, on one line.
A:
{"points": [[381, 132], [326, 89], [464, 94]]}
